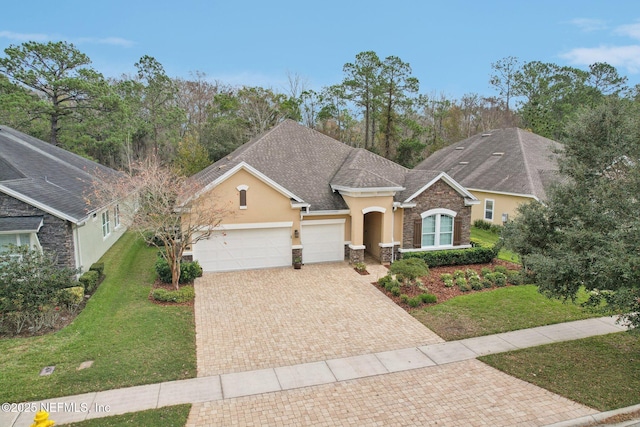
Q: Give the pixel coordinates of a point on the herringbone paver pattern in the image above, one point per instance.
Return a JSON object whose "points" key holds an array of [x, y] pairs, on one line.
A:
{"points": [[279, 317], [467, 393]]}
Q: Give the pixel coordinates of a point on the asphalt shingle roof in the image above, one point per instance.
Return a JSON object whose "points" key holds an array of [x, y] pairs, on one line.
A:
{"points": [[20, 223], [503, 160], [54, 178]]}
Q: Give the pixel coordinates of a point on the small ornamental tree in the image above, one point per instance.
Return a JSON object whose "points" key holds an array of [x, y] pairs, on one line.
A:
{"points": [[160, 204]]}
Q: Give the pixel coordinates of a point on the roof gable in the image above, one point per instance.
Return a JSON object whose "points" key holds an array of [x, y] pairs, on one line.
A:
{"points": [[504, 160]]}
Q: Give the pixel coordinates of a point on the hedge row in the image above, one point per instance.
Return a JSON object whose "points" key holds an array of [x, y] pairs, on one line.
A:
{"points": [[184, 294], [476, 255]]}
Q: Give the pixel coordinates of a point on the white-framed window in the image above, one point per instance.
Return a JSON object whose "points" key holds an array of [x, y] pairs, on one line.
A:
{"points": [[116, 216], [106, 225], [488, 209], [437, 228], [17, 239], [242, 193]]}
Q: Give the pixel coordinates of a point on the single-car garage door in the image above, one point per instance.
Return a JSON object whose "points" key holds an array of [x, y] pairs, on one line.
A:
{"points": [[245, 248], [322, 240]]}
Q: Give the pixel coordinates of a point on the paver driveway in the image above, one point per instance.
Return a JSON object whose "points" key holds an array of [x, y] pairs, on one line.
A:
{"points": [[278, 317]]}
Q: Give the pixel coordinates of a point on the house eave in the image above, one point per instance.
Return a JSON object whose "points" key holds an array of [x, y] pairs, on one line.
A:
{"points": [[41, 206], [366, 192]]}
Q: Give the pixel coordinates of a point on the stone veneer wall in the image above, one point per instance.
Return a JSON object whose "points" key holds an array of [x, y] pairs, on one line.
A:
{"points": [[295, 253], [439, 195], [56, 235]]}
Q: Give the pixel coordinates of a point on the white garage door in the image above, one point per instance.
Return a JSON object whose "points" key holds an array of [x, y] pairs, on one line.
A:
{"points": [[322, 240], [243, 249]]}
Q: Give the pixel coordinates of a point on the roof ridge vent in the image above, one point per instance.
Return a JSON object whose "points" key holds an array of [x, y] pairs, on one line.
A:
{"points": [[498, 154]]}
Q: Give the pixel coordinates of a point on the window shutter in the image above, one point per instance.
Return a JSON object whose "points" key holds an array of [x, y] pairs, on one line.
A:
{"points": [[417, 233], [457, 231]]}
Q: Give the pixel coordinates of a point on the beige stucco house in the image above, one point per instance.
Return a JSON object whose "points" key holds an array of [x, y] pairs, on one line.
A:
{"points": [[502, 168], [295, 192]]}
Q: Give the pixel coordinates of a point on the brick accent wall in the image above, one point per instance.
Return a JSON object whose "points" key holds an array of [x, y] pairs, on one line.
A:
{"points": [[56, 235], [439, 195]]}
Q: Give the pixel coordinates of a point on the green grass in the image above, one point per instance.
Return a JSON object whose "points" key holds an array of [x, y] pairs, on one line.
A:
{"points": [[131, 340], [602, 372], [169, 416], [489, 238], [496, 311]]}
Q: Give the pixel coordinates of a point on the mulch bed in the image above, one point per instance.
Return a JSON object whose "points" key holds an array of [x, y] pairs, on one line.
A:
{"points": [[168, 287], [436, 287]]}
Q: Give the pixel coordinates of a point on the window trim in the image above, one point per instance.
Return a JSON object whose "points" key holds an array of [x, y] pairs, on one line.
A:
{"points": [[492, 210], [106, 224], [242, 193], [438, 213], [116, 216]]}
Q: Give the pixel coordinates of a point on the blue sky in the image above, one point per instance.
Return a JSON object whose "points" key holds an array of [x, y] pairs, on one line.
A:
{"points": [[450, 45]]}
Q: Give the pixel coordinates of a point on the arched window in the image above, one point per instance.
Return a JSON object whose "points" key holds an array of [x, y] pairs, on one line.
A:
{"points": [[437, 228]]}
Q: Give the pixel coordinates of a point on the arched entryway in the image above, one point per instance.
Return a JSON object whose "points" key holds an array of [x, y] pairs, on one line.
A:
{"points": [[372, 233]]}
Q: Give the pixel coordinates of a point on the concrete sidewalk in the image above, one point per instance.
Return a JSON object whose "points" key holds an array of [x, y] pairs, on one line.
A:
{"points": [[234, 385]]}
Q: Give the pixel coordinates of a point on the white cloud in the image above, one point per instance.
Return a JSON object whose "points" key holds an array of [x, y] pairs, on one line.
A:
{"points": [[629, 30], [24, 37], [588, 24], [619, 56]]}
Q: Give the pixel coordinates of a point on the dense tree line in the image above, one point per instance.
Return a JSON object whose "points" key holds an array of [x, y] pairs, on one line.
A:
{"points": [[50, 90]]}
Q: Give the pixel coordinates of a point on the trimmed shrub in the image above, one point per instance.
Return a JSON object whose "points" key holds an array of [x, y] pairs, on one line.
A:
{"points": [[446, 276], [428, 298], [414, 302], [500, 279], [184, 294], [500, 269], [486, 283], [485, 270], [404, 298], [89, 281], [393, 283], [409, 269], [99, 267], [475, 283], [461, 282], [448, 283], [71, 296], [360, 267], [384, 280], [476, 255], [395, 291], [458, 274], [189, 270], [515, 277], [469, 273]]}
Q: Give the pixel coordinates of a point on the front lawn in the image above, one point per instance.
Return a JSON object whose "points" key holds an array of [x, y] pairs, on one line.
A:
{"points": [[602, 372], [169, 416], [131, 340], [488, 238], [499, 310]]}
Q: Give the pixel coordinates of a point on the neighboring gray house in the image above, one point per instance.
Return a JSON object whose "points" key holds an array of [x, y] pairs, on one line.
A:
{"points": [[43, 201], [503, 168]]}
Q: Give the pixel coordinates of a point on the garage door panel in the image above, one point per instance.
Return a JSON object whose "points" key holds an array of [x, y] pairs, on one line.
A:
{"points": [[322, 242], [242, 249]]}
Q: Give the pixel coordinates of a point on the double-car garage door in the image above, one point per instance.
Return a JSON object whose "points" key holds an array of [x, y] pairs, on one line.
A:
{"points": [[254, 246]]}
